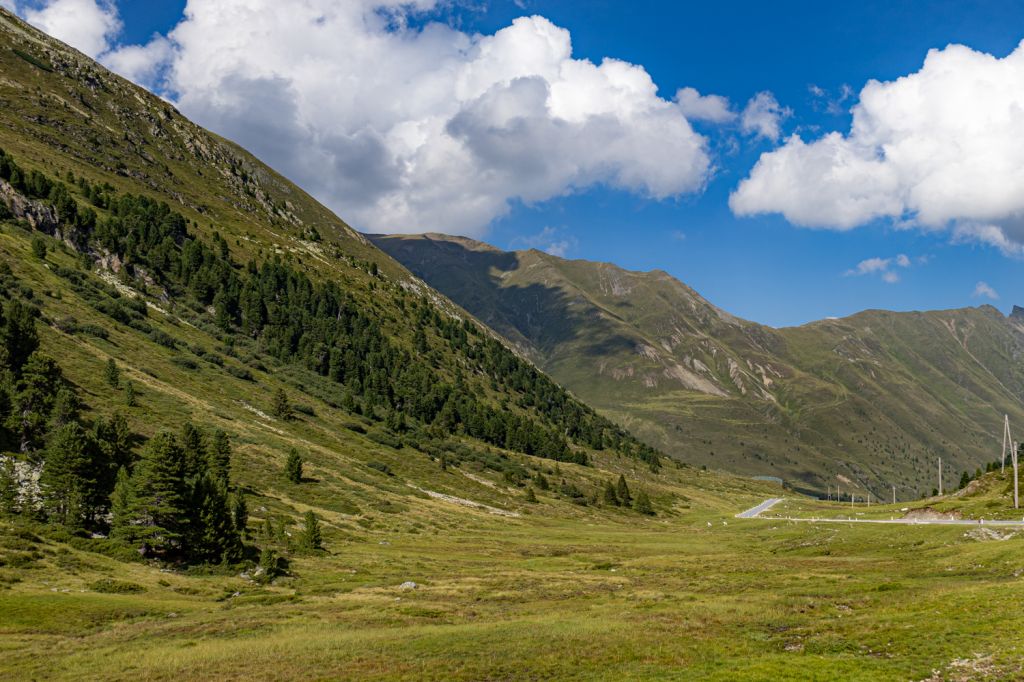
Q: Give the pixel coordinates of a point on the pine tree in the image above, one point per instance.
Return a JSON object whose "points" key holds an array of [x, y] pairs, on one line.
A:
{"points": [[158, 512], [64, 481], [120, 502], [17, 334], [311, 537], [293, 467], [965, 478], [269, 563], [112, 374], [8, 486], [282, 409], [129, 394], [212, 536], [66, 408], [240, 512], [531, 497], [219, 454], [642, 504], [194, 447], [610, 497], [622, 492], [36, 391]]}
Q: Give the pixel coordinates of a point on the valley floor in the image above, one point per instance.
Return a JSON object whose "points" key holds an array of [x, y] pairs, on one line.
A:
{"points": [[700, 596]]}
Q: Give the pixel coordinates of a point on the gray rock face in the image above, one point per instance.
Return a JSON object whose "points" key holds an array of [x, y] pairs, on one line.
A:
{"points": [[38, 215]]}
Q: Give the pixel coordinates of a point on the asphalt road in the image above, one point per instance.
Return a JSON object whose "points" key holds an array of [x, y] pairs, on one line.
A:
{"points": [[755, 512]]}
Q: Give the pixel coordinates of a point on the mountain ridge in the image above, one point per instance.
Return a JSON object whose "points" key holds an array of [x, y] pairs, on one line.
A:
{"points": [[673, 361]]}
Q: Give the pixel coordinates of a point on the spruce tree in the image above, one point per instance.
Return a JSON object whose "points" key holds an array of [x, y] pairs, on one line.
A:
{"points": [[194, 446], [212, 536], [112, 374], [66, 407], [64, 481], [240, 512], [120, 503], [269, 563], [622, 492], [311, 537], [129, 394], [282, 409], [8, 486], [158, 512], [610, 497], [642, 504], [36, 391], [531, 497], [219, 456], [17, 334], [293, 467]]}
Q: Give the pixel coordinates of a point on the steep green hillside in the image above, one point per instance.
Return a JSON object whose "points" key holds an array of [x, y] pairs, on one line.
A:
{"points": [[171, 280], [872, 399]]}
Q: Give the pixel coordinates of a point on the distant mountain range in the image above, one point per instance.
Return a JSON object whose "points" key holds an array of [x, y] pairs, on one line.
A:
{"points": [[873, 399]]}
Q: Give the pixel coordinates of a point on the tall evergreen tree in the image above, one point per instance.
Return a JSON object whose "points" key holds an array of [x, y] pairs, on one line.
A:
{"points": [[36, 391], [64, 481], [610, 497], [622, 492], [212, 536], [158, 512], [311, 536], [219, 456], [112, 374], [293, 467], [282, 409], [18, 339], [642, 504], [240, 512], [194, 446], [120, 504], [8, 486]]}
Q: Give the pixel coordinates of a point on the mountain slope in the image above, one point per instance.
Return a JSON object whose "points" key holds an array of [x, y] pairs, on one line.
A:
{"points": [[211, 283], [873, 398]]}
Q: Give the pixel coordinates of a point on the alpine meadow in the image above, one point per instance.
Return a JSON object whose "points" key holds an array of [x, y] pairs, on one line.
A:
{"points": [[242, 438]]}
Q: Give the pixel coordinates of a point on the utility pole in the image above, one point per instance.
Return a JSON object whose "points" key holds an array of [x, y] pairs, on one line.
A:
{"points": [[1016, 504], [1007, 439], [894, 494], [940, 476]]}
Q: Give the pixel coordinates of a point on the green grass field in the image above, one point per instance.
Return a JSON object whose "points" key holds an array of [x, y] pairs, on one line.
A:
{"points": [[698, 596]]}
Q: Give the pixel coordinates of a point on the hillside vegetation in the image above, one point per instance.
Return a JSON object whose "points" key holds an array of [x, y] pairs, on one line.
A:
{"points": [[239, 442], [872, 399]]}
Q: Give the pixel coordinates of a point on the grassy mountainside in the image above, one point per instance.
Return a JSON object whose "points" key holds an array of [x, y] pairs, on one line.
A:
{"points": [[208, 284], [141, 251], [873, 398]]}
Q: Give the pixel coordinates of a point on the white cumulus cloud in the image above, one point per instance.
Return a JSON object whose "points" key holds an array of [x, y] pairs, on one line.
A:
{"points": [[983, 290], [763, 116], [698, 107], [883, 267], [405, 126], [942, 148], [87, 25]]}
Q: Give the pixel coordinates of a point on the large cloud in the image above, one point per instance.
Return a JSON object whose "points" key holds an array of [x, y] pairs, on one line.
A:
{"points": [[942, 148], [409, 129], [87, 25]]}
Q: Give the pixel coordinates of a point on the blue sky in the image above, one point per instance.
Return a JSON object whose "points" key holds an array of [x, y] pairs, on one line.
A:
{"points": [[761, 265]]}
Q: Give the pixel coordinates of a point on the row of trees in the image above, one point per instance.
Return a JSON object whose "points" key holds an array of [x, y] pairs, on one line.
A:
{"points": [[319, 324], [173, 501]]}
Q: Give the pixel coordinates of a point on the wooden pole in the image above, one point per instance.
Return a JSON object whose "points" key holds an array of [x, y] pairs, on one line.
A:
{"points": [[940, 475], [1006, 438], [1016, 503]]}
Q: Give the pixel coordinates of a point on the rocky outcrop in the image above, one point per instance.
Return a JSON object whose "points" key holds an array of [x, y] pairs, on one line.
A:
{"points": [[40, 216]]}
